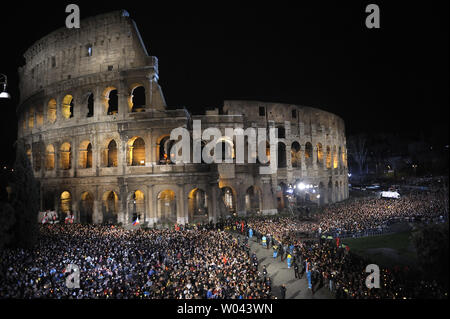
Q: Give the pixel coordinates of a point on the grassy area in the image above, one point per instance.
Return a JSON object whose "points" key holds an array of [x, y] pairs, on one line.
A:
{"points": [[387, 250]]}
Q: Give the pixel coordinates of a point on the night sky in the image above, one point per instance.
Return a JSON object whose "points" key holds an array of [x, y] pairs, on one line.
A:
{"points": [[393, 79]]}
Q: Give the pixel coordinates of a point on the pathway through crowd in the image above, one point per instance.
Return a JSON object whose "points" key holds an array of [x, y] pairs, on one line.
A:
{"points": [[280, 274]]}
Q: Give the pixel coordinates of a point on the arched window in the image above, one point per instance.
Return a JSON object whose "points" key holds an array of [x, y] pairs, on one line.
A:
{"points": [[67, 106], [51, 111], [113, 102], [111, 154], [66, 156], [66, 202], [85, 155], [50, 157], [319, 154], [165, 147], [138, 99], [295, 154], [335, 157], [308, 153], [136, 152]]}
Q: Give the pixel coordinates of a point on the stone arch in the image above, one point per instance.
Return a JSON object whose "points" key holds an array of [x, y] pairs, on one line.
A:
{"points": [[110, 207], [111, 100], [136, 206], [65, 205], [296, 154], [335, 157], [86, 208], [308, 154], [319, 154], [197, 205], [51, 111], [136, 151], [137, 99], [253, 199], [50, 157], [67, 106], [85, 155], [90, 104], [65, 156], [164, 147], [226, 147], [110, 154], [167, 206]]}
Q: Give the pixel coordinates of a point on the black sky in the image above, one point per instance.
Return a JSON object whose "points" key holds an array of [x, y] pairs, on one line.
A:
{"points": [[393, 79]]}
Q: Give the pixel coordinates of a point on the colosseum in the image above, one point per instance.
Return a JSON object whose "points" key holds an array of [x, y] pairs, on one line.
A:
{"points": [[97, 131]]}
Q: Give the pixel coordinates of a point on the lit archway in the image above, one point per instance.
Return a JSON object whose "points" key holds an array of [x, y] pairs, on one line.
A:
{"points": [[51, 111], [65, 154], [65, 203], [308, 154], [50, 157], [136, 206], [295, 155], [110, 154], [197, 205], [67, 106], [229, 199], [136, 151], [85, 155], [136, 101], [319, 154]]}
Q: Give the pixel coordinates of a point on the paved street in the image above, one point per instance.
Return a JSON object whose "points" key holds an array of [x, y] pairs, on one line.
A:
{"points": [[280, 274]]}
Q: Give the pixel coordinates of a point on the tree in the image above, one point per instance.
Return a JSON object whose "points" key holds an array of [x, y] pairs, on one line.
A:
{"points": [[357, 149], [25, 200]]}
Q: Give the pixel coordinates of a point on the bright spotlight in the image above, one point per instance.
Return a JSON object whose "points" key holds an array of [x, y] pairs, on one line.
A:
{"points": [[301, 186]]}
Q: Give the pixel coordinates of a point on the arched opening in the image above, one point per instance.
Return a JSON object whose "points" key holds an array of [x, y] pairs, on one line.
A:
{"points": [[308, 154], [86, 208], [319, 154], [90, 105], [65, 156], [281, 154], [344, 157], [295, 155], [165, 146], [136, 206], [328, 157], [137, 99], [197, 205], [65, 203], [335, 157], [110, 207], [282, 199], [113, 102], [50, 157], [110, 156], [51, 111], [31, 117], [167, 206], [229, 199], [85, 155], [136, 152], [253, 199], [67, 106]]}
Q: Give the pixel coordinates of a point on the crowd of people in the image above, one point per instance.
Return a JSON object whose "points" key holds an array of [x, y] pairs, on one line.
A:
{"points": [[118, 263]]}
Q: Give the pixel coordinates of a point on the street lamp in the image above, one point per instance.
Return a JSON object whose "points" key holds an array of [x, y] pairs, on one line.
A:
{"points": [[4, 82]]}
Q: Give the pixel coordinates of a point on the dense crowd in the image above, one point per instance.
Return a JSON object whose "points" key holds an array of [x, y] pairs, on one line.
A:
{"points": [[118, 263]]}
